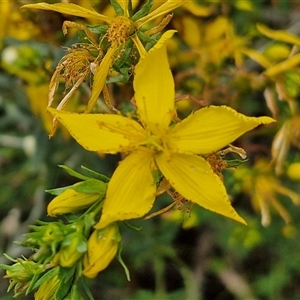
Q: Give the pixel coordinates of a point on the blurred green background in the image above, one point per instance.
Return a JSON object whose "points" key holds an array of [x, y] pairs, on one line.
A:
{"points": [[208, 257]]}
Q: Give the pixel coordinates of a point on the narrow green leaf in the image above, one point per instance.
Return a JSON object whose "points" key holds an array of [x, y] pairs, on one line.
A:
{"points": [[233, 163], [74, 173], [90, 186], [66, 276], [57, 191], [143, 11], [47, 276], [98, 29], [96, 175], [87, 290], [119, 258], [118, 9]]}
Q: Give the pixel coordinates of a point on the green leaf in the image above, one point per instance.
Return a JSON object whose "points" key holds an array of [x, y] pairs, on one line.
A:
{"points": [[130, 10], [98, 29], [119, 258], [66, 276], [126, 56], [143, 11], [233, 163], [150, 41], [119, 78], [58, 191], [47, 276], [87, 290], [96, 175], [118, 9], [90, 186], [74, 173], [157, 176]]}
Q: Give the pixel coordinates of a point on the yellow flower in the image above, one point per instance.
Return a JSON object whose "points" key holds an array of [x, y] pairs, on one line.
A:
{"points": [[154, 142], [287, 136], [263, 186], [102, 248], [121, 28]]}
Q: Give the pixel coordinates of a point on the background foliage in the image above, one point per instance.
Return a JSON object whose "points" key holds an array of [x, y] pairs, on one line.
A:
{"points": [[208, 257]]}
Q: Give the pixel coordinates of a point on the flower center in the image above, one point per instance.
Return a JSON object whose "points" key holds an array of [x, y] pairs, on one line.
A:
{"points": [[154, 143], [120, 29]]}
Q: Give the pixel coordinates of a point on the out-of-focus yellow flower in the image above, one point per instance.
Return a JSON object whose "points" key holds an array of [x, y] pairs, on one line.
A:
{"points": [[120, 29], [155, 142], [281, 70], [14, 24], [293, 171], [77, 197], [102, 248], [213, 41], [263, 187], [37, 95], [188, 218], [288, 135], [47, 289]]}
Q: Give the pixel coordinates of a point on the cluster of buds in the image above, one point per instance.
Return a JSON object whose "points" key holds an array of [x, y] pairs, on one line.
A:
{"points": [[66, 251], [22, 274]]}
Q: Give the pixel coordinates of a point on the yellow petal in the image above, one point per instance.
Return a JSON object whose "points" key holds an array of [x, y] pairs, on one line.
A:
{"points": [[199, 10], [154, 86], [283, 66], [279, 35], [70, 9], [258, 57], [104, 133], [210, 129], [100, 77], [194, 179], [131, 190]]}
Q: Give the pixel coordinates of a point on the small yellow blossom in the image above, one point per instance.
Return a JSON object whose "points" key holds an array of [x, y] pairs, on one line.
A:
{"points": [[156, 143], [102, 248]]}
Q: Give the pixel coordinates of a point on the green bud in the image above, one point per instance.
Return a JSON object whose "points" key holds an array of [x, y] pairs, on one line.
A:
{"points": [[21, 274], [72, 248]]}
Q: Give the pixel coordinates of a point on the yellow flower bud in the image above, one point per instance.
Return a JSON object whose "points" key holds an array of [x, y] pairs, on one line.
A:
{"points": [[72, 249], [77, 197], [102, 248], [47, 289]]}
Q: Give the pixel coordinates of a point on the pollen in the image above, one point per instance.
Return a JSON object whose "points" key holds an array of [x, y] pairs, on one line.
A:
{"points": [[120, 29]]}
